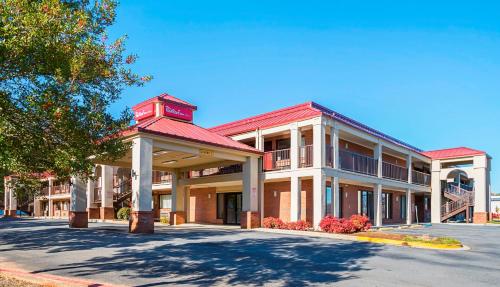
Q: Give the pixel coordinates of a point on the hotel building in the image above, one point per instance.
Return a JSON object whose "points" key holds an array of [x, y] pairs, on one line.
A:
{"points": [[298, 163]]}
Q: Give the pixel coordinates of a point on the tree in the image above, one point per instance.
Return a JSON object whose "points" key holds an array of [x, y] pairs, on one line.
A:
{"points": [[59, 74]]}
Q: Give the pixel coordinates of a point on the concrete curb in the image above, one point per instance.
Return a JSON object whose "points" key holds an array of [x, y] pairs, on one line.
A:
{"points": [[364, 239]]}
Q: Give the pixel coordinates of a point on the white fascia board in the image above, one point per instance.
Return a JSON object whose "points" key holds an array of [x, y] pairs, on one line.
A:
{"points": [[245, 136], [212, 179]]}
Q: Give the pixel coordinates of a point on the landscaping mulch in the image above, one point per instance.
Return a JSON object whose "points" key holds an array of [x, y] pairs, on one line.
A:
{"points": [[6, 281], [382, 235]]}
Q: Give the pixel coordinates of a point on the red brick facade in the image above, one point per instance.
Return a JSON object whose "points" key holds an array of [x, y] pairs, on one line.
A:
{"points": [[141, 222], [203, 206], [78, 219], [480, 217], [277, 200]]}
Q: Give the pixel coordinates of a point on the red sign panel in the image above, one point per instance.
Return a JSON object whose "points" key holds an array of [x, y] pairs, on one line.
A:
{"points": [[144, 112], [177, 111]]}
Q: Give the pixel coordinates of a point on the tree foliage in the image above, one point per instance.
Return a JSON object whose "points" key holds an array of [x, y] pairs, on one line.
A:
{"points": [[59, 74]]}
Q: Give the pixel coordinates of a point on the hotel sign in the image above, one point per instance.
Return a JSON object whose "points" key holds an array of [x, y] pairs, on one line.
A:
{"points": [[144, 112], [177, 111]]}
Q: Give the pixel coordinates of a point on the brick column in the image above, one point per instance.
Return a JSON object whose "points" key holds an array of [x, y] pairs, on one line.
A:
{"points": [[141, 218], [481, 189], [78, 216]]}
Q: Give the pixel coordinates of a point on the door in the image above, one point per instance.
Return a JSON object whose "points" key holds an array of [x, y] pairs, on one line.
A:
{"points": [[232, 208]]}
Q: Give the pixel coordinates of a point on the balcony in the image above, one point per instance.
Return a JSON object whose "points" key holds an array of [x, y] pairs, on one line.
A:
{"points": [[45, 191], [420, 178], [354, 162], [161, 177], [277, 160], [392, 171], [306, 156], [60, 189], [235, 168]]}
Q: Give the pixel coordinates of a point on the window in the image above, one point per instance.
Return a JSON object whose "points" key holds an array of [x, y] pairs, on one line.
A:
{"points": [[220, 205], [387, 205], [367, 204], [268, 146], [328, 200], [341, 201], [282, 144], [166, 201], [402, 207]]}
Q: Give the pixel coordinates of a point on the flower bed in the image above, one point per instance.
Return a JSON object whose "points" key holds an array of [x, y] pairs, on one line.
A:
{"points": [[355, 223], [276, 223]]}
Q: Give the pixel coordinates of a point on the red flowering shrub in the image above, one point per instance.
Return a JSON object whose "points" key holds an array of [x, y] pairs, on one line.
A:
{"points": [[341, 225], [495, 216], [298, 225], [273, 223], [361, 222]]}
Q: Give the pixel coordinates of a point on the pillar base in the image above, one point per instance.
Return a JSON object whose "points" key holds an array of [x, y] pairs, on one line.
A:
{"points": [[10, 213], [480, 217], [94, 212], [78, 219], [250, 219], [107, 213], [177, 217], [141, 222]]}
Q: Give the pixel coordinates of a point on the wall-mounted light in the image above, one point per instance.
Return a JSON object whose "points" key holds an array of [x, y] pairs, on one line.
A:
{"points": [[209, 196], [275, 193]]}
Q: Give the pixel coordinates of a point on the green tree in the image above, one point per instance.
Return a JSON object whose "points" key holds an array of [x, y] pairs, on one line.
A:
{"points": [[59, 74]]}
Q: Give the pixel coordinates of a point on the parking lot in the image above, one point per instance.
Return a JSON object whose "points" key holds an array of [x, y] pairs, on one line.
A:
{"points": [[222, 256]]}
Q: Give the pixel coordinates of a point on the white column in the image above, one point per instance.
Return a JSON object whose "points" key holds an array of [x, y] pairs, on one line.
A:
{"points": [[409, 211], [377, 202], [78, 191], [295, 141], [250, 185], [377, 154], [336, 197], [6, 201], [409, 166], [178, 193], [480, 184], [90, 193], [259, 140], [436, 192], [319, 192], [107, 186], [142, 168], [51, 186], [295, 195], [335, 144], [319, 144]]}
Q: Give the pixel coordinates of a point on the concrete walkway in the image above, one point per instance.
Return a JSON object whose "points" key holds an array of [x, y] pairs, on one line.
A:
{"points": [[207, 255]]}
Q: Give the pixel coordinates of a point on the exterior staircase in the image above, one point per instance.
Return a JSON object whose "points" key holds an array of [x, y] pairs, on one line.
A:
{"points": [[122, 192], [459, 201]]}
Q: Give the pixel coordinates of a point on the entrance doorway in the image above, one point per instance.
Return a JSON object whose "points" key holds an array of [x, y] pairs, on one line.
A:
{"points": [[232, 208]]}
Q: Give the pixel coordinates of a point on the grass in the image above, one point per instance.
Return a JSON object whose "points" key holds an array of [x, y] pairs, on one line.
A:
{"points": [[435, 240], [495, 221]]}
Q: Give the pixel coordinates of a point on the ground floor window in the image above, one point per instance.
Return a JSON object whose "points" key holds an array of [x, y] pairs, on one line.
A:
{"points": [[166, 201], [387, 205], [402, 207], [329, 200], [220, 205], [367, 204], [341, 202]]}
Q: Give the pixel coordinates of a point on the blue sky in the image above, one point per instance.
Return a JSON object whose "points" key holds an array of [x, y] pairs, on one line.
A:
{"points": [[426, 72]]}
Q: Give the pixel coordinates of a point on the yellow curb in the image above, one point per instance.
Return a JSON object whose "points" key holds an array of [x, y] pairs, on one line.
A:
{"points": [[410, 244]]}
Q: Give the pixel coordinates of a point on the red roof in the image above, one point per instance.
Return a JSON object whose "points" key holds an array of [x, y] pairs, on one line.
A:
{"points": [[166, 97], [187, 131], [267, 120], [452, 153]]}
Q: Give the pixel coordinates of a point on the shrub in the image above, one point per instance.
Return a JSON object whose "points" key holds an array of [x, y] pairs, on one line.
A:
{"points": [[164, 219], [273, 223], [341, 225], [495, 216], [301, 225], [123, 213]]}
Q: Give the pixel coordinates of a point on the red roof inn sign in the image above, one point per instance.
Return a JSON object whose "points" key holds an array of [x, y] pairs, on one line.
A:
{"points": [[144, 112], [164, 105], [173, 110]]}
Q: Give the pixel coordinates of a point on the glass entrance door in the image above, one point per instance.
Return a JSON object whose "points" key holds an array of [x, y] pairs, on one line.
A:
{"points": [[232, 208]]}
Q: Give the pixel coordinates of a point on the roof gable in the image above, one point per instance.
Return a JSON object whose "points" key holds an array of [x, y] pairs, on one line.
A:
{"points": [[452, 153]]}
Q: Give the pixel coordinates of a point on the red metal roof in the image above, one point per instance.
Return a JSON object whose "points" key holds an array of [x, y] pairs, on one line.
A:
{"points": [[297, 113], [452, 153], [267, 120], [187, 131], [166, 97]]}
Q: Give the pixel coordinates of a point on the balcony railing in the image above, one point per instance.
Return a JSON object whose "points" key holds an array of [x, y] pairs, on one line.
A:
{"points": [[329, 155], [421, 178], [60, 189], [357, 163], [45, 191], [229, 169], [97, 194], [161, 177], [393, 171], [277, 160], [306, 156]]}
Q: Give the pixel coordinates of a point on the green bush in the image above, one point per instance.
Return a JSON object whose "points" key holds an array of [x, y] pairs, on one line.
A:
{"points": [[123, 213]]}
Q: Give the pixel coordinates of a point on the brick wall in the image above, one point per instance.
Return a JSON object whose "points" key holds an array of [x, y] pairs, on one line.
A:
{"points": [[203, 209], [394, 160], [355, 148], [279, 205]]}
